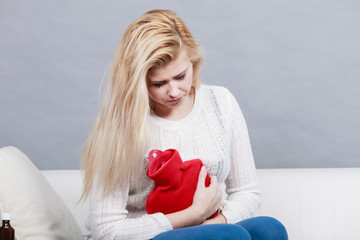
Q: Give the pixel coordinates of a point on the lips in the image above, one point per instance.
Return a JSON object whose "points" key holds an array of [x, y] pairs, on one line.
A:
{"points": [[175, 101]]}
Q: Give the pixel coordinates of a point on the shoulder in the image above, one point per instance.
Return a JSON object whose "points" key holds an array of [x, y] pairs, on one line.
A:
{"points": [[220, 94], [219, 99], [215, 89]]}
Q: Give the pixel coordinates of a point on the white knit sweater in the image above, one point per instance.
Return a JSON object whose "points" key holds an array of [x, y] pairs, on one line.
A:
{"points": [[214, 131]]}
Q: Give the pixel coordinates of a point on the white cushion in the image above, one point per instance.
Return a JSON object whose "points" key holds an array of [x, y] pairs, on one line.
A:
{"points": [[37, 212]]}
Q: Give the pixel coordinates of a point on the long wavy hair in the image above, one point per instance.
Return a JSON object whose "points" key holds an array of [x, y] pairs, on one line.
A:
{"points": [[114, 150]]}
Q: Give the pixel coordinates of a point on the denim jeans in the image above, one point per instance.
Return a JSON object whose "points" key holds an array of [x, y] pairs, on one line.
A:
{"points": [[257, 228]]}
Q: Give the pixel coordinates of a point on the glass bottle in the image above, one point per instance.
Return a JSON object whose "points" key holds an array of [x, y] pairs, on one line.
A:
{"points": [[6, 231]]}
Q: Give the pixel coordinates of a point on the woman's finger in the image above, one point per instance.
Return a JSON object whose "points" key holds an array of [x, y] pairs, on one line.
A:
{"points": [[202, 177]]}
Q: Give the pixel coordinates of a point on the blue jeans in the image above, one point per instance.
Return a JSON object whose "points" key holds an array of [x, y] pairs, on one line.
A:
{"points": [[257, 228]]}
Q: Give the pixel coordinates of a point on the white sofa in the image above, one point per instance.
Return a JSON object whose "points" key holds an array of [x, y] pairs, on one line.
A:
{"points": [[313, 204]]}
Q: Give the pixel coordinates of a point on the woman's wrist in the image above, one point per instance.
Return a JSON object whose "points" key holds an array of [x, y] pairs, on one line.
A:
{"points": [[218, 219], [198, 212], [188, 217], [223, 218]]}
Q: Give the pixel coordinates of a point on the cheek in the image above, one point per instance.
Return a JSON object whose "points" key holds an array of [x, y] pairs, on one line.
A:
{"points": [[154, 93], [188, 82], [151, 94], [191, 75]]}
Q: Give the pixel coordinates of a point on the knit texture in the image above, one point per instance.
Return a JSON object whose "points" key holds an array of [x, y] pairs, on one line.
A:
{"points": [[175, 181], [215, 132]]}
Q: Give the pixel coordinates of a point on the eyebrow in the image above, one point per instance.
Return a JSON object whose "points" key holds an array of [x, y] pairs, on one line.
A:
{"points": [[175, 77]]}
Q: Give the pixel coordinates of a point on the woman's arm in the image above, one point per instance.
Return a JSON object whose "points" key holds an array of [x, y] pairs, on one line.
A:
{"points": [[243, 198], [109, 217]]}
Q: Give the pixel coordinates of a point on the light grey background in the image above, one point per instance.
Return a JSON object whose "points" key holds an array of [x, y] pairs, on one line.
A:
{"points": [[292, 65]]}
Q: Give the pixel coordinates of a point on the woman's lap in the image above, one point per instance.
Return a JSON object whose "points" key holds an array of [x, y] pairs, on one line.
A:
{"points": [[257, 228], [211, 232], [264, 228]]}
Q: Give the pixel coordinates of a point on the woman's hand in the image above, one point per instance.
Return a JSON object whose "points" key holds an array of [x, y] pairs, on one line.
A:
{"points": [[206, 200]]}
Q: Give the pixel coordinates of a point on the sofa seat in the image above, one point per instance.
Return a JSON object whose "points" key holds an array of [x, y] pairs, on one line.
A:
{"points": [[313, 204]]}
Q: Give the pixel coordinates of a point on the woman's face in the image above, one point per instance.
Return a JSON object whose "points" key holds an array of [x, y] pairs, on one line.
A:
{"points": [[169, 86]]}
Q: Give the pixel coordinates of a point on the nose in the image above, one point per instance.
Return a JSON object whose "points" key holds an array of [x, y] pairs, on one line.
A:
{"points": [[173, 90]]}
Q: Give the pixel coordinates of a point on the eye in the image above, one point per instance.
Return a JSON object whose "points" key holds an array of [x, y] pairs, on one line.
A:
{"points": [[182, 76], [159, 85]]}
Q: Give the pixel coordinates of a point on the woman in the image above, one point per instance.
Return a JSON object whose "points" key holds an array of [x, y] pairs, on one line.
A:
{"points": [[154, 100]]}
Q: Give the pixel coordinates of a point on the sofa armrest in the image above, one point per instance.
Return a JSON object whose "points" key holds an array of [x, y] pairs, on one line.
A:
{"points": [[68, 185]]}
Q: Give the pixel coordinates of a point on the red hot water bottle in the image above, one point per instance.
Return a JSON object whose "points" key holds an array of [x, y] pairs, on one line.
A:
{"points": [[175, 181]]}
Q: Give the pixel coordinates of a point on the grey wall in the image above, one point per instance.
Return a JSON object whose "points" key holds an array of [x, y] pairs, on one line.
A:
{"points": [[292, 65]]}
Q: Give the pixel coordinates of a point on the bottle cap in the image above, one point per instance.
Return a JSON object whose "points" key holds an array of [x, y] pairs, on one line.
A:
{"points": [[5, 216]]}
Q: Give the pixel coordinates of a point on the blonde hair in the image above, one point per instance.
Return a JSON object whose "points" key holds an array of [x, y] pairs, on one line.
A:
{"points": [[114, 150]]}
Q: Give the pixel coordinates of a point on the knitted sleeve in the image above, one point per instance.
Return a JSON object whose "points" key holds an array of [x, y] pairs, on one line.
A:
{"points": [[243, 197], [109, 219]]}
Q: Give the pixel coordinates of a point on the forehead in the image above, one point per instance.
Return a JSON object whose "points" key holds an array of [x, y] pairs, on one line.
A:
{"points": [[170, 70]]}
